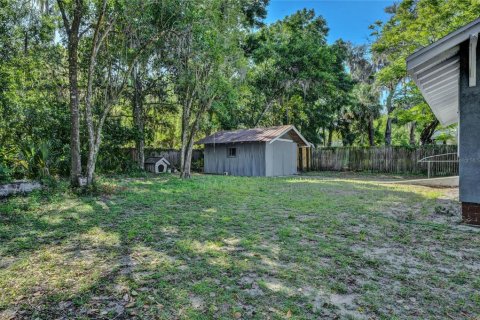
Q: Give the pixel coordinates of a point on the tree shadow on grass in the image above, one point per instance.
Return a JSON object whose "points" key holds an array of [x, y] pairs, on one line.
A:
{"points": [[214, 247]]}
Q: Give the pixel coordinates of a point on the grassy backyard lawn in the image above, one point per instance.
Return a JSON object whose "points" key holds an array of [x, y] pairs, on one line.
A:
{"points": [[335, 246]]}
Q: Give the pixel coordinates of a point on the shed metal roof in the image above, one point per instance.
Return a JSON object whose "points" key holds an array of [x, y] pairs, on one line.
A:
{"points": [[436, 71], [269, 134]]}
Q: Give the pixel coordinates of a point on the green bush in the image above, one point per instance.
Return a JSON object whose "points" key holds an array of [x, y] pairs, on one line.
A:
{"points": [[29, 160], [35, 160], [197, 165], [5, 174]]}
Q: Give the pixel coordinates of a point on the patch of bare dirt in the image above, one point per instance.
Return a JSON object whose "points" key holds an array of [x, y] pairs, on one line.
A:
{"points": [[249, 285], [332, 305], [197, 302]]}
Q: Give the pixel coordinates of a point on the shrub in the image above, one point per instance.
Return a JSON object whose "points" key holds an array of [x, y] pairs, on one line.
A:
{"points": [[5, 174], [197, 165]]}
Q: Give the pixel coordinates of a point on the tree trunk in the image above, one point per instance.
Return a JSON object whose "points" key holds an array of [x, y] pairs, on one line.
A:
{"points": [[324, 137], [73, 40], [95, 145], [25, 43], [187, 168], [186, 113], [428, 131], [101, 31], [208, 130], [371, 132], [188, 149], [184, 135], [388, 132], [265, 110], [76, 164], [413, 126], [287, 118], [138, 119], [92, 160], [388, 127], [330, 136], [95, 136]]}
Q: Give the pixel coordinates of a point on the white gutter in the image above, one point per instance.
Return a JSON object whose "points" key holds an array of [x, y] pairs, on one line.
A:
{"points": [[472, 79]]}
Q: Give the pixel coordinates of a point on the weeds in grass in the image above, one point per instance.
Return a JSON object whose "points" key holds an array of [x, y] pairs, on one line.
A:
{"points": [[229, 247]]}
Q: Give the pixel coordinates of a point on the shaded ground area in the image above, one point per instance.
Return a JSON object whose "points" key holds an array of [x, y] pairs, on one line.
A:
{"points": [[231, 247], [363, 176]]}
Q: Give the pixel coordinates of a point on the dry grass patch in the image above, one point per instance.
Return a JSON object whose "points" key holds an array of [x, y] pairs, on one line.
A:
{"points": [[228, 247]]}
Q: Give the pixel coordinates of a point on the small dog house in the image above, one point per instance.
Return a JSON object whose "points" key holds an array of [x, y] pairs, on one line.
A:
{"points": [[157, 165]]}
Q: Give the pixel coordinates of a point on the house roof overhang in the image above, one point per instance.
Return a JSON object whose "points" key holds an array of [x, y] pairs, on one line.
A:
{"points": [[436, 71]]}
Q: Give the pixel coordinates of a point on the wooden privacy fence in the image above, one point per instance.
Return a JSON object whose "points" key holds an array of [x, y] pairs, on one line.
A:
{"points": [[172, 155], [398, 160]]}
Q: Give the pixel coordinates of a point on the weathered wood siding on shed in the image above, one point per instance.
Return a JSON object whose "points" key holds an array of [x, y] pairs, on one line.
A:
{"points": [[281, 158], [250, 159]]}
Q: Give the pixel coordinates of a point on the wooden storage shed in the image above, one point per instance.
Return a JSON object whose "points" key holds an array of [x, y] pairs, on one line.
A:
{"points": [[267, 152]]}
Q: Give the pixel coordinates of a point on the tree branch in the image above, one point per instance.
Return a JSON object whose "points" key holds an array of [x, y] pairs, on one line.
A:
{"points": [[66, 22]]}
